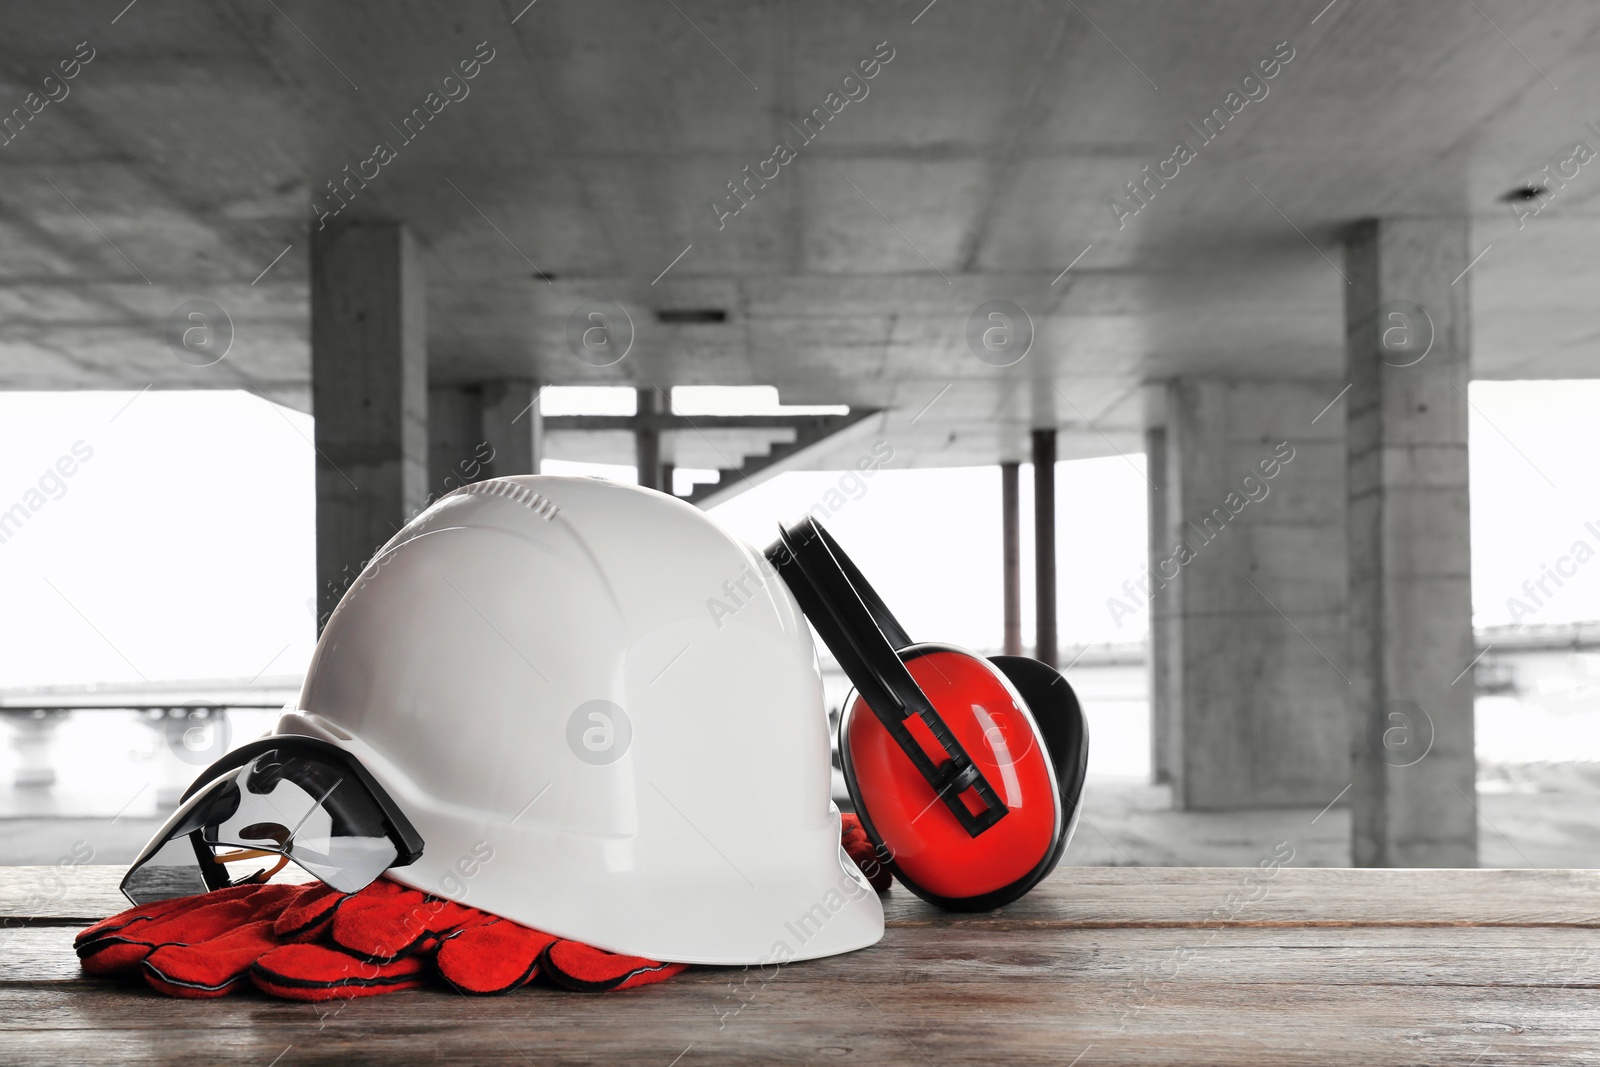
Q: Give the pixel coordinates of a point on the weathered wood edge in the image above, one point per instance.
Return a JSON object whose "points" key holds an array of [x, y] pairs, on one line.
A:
{"points": [[1085, 898]]}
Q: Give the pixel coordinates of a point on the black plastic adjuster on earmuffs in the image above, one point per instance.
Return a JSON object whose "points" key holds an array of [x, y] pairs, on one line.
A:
{"points": [[858, 629]]}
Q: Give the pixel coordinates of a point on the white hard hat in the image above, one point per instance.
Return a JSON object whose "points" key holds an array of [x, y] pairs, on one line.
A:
{"points": [[603, 717]]}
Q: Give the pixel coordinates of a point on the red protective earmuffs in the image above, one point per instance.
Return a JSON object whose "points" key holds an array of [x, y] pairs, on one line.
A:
{"points": [[967, 771]]}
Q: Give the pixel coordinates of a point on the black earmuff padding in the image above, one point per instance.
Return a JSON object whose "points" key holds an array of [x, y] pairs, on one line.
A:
{"points": [[1061, 723]]}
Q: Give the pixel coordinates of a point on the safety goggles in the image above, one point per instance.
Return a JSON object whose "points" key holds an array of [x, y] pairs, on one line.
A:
{"points": [[269, 803]]}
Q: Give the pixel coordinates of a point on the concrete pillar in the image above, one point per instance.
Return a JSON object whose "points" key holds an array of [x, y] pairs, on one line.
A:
{"points": [[1044, 546], [647, 442], [512, 426], [1408, 352], [369, 394], [1011, 555], [33, 736], [1165, 726], [482, 430], [456, 446], [1247, 586]]}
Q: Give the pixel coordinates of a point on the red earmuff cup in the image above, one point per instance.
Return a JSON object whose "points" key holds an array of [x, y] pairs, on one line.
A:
{"points": [[928, 849]]}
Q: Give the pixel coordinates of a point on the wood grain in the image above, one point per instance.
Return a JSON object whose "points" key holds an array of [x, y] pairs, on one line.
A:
{"points": [[1119, 965], [1092, 896]]}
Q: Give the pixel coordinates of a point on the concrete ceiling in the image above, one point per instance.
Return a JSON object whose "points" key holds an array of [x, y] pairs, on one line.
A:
{"points": [[982, 162]]}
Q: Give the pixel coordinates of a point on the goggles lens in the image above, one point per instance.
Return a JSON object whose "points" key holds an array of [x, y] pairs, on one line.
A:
{"points": [[290, 802]]}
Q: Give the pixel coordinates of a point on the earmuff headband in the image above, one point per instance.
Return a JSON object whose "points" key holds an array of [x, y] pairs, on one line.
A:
{"points": [[887, 624], [858, 628]]}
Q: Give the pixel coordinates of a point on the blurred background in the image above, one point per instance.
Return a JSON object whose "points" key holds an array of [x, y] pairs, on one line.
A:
{"points": [[1237, 358], [188, 539]]}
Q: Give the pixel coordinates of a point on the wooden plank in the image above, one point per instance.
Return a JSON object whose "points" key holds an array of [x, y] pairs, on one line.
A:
{"points": [[1113, 960], [650, 1027], [1175, 896], [1119, 965], [1087, 897], [809, 1009], [57, 894]]}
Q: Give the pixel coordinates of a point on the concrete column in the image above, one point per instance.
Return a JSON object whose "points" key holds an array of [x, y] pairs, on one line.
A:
{"points": [[647, 442], [33, 736], [1044, 546], [369, 393], [1011, 555], [1247, 586], [513, 426], [482, 430], [456, 446], [1408, 353], [1165, 738]]}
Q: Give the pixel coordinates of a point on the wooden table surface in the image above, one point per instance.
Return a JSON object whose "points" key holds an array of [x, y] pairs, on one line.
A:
{"points": [[1096, 966]]}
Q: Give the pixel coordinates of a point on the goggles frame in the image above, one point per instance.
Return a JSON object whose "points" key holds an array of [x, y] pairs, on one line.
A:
{"points": [[408, 844]]}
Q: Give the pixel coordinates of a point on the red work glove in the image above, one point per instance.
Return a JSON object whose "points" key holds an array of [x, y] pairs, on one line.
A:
{"points": [[203, 946], [853, 836], [384, 937], [499, 956], [311, 942]]}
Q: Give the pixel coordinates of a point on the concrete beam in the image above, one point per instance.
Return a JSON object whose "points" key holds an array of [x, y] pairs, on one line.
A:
{"points": [[815, 435], [1408, 362], [369, 367]]}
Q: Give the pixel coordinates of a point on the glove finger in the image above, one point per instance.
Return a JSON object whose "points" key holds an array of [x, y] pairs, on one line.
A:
{"points": [[495, 957], [210, 914], [390, 923], [866, 859], [143, 913], [308, 914], [212, 968], [190, 921], [319, 972], [586, 969], [199, 919], [853, 838]]}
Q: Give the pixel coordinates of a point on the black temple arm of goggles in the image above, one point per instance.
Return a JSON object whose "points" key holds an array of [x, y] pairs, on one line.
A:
{"points": [[858, 628]]}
